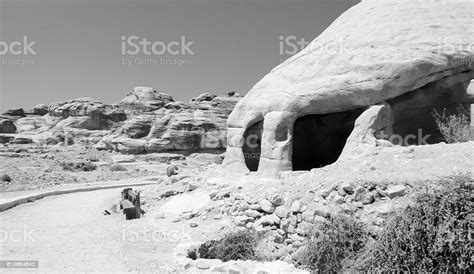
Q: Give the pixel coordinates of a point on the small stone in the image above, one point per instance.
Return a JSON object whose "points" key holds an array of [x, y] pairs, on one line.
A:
{"points": [[308, 216], [187, 216], [293, 220], [319, 219], [285, 224], [213, 194], [273, 219], [276, 199], [171, 170], [217, 217], [296, 206], [304, 228], [358, 204], [281, 232], [296, 238], [267, 206], [368, 199], [360, 192], [203, 264], [277, 238], [347, 187], [282, 212], [204, 217], [299, 217], [253, 213], [193, 225], [325, 193], [341, 192], [256, 207], [338, 199], [395, 191], [168, 193], [242, 220]]}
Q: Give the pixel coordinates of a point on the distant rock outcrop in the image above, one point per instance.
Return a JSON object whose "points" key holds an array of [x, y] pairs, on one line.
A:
{"points": [[197, 126], [15, 112], [40, 109], [144, 99], [7, 125], [144, 121]]}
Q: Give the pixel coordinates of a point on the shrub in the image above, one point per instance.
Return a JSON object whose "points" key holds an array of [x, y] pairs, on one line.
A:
{"points": [[332, 242], [233, 246], [117, 168], [430, 236], [455, 128], [5, 178], [75, 166]]}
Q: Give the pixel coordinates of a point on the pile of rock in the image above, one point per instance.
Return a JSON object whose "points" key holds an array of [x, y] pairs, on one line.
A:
{"points": [[290, 220]]}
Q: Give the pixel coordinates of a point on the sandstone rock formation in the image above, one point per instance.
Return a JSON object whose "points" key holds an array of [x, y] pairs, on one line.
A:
{"points": [[40, 109], [144, 99], [144, 121], [197, 126], [7, 125], [15, 112], [404, 53]]}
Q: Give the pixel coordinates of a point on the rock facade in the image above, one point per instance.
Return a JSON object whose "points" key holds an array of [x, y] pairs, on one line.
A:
{"points": [[175, 126], [144, 121], [385, 50]]}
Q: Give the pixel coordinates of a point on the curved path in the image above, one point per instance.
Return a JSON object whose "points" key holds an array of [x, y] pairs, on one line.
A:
{"points": [[69, 233]]}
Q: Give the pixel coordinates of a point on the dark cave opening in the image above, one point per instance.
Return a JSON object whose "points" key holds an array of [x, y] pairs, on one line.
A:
{"points": [[318, 139], [252, 146]]}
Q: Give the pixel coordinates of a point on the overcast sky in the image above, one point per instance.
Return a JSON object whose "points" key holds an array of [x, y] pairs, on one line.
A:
{"points": [[76, 46]]}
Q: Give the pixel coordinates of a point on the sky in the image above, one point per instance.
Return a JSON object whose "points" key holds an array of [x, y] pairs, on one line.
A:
{"points": [[55, 50]]}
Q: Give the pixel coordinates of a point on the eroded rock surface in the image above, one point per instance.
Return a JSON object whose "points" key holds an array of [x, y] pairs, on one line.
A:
{"points": [[175, 126], [376, 51]]}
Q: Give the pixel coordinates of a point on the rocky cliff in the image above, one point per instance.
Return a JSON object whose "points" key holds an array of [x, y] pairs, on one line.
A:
{"points": [[144, 121]]}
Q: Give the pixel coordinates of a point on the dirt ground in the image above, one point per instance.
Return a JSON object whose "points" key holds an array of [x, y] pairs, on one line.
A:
{"points": [[35, 167], [70, 233]]}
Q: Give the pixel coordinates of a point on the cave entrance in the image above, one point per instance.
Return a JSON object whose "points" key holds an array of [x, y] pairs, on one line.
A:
{"points": [[252, 146], [318, 139], [414, 121]]}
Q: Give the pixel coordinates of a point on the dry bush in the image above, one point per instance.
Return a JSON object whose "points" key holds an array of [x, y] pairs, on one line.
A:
{"points": [[430, 236], [5, 178], [78, 166], [332, 242], [233, 246], [455, 128]]}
